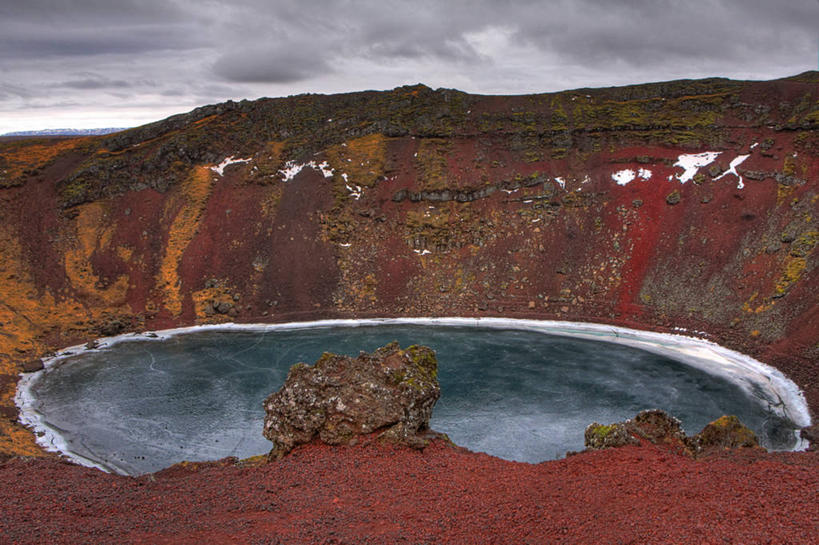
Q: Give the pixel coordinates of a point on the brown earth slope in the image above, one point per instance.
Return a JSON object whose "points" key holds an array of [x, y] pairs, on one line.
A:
{"points": [[426, 202]]}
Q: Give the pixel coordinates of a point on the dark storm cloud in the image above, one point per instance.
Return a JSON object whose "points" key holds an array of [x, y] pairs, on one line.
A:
{"points": [[667, 36], [91, 81], [189, 51], [285, 63], [93, 12], [655, 32], [20, 45]]}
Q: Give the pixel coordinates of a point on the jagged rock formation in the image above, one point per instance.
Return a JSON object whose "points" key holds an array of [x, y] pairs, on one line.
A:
{"points": [[390, 391], [660, 428], [688, 205]]}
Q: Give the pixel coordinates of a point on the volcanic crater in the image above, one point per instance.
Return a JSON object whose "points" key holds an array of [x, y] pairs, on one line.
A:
{"points": [[684, 207]]}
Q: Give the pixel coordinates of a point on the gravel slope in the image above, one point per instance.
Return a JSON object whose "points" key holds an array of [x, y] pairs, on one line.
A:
{"points": [[381, 494]]}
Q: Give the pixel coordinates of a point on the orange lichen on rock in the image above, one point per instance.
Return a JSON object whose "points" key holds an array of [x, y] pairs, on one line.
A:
{"points": [[208, 303], [25, 313], [189, 205], [93, 235], [361, 159], [26, 155], [794, 267]]}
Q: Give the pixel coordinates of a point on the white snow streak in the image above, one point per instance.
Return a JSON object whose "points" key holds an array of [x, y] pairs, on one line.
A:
{"points": [[220, 168], [355, 191], [732, 169], [291, 169]]}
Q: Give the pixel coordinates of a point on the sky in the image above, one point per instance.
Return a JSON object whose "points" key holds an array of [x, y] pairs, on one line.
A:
{"points": [[122, 63]]}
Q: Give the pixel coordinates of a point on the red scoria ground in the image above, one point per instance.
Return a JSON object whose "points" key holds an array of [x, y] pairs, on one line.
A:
{"points": [[382, 494]]}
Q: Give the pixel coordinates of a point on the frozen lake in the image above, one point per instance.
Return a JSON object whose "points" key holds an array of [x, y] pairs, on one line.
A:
{"points": [[141, 404]]}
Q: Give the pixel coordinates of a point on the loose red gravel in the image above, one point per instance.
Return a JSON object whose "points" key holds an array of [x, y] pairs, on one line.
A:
{"points": [[381, 494]]}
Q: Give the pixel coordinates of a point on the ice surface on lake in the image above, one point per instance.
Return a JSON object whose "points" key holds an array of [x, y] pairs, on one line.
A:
{"points": [[511, 388]]}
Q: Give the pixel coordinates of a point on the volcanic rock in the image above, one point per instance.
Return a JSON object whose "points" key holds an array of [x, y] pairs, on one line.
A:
{"points": [[32, 366], [725, 432], [339, 398], [660, 428], [600, 436]]}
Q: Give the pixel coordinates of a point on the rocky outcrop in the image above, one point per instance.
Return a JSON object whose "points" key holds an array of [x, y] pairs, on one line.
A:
{"points": [[660, 428], [725, 432], [391, 391]]}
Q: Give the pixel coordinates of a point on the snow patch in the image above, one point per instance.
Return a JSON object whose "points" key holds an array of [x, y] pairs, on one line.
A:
{"points": [[623, 177], [644, 173], [732, 169], [325, 169], [220, 168], [561, 182], [355, 190], [422, 252], [692, 163]]}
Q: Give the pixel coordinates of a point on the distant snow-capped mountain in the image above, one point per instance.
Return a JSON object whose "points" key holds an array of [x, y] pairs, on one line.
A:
{"points": [[66, 132]]}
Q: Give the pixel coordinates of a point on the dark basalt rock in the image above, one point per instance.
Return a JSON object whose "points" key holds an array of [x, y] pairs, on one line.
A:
{"points": [[391, 391], [32, 366]]}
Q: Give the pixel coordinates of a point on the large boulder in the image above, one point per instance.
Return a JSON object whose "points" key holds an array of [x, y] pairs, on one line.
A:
{"points": [[391, 391]]}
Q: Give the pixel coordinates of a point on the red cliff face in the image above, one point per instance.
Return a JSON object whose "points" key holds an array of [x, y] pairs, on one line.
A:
{"points": [[582, 205]]}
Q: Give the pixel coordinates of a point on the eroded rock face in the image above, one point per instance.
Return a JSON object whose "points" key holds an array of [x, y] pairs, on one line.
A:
{"points": [[339, 398], [660, 428]]}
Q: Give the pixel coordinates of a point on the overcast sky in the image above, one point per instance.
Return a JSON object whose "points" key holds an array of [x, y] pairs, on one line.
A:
{"points": [[118, 63]]}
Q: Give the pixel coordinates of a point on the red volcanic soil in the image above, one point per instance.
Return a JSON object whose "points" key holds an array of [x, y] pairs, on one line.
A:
{"points": [[384, 494]]}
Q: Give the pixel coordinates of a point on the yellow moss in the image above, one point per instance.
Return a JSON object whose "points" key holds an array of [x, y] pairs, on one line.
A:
{"points": [[125, 253], [201, 298], [362, 159], [14, 439], [268, 162], [794, 267], [190, 201], [783, 192], [27, 314], [789, 165], [91, 234], [22, 155], [431, 162]]}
